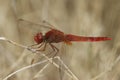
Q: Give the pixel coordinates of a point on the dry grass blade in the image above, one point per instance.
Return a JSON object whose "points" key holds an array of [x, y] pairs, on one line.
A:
{"points": [[41, 71], [24, 68], [67, 71], [109, 68]]}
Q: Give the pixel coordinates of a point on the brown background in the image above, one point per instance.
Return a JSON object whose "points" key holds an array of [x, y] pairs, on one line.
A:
{"points": [[80, 17]]}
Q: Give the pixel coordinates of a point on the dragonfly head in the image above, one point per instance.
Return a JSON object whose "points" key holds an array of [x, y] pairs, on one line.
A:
{"points": [[38, 38]]}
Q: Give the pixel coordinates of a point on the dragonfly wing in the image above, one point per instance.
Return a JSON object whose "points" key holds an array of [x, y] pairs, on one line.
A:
{"points": [[71, 37]]}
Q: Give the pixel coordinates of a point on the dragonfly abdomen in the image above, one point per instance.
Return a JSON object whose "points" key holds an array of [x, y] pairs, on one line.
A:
{"points": [[70, 37]]}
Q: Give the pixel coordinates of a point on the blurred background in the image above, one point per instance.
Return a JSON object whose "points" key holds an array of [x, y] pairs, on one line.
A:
{"points": [[80, 17]]}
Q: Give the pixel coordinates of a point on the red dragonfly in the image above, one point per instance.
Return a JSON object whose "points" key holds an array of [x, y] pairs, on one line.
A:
{"points": [[56, 36]]}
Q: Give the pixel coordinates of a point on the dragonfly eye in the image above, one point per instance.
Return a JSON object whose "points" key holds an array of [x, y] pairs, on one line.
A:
{"points": [[38, 38]]}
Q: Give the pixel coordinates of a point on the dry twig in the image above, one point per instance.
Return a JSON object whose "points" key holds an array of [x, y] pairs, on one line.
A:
{"points": [[67, 70]]}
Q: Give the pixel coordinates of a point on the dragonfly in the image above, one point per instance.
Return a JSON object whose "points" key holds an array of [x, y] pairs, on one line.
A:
{"points": [[57, 36]]}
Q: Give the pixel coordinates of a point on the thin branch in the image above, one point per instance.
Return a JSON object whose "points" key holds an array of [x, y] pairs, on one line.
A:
{"points": [[66, 67], [34, 51], [109, 68], [41, 71], [24, 68], [14, 43]]}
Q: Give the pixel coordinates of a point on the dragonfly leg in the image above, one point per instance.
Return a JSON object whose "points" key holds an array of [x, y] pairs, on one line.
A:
{"points": [[35, 45], [40, 50], [38, 46], [44, 44], [60, 67], [54, 48], [49, 54], [31, 46]]}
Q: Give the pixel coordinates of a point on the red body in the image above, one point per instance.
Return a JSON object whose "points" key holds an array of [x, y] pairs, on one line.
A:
{"points": [[56, 36]]}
